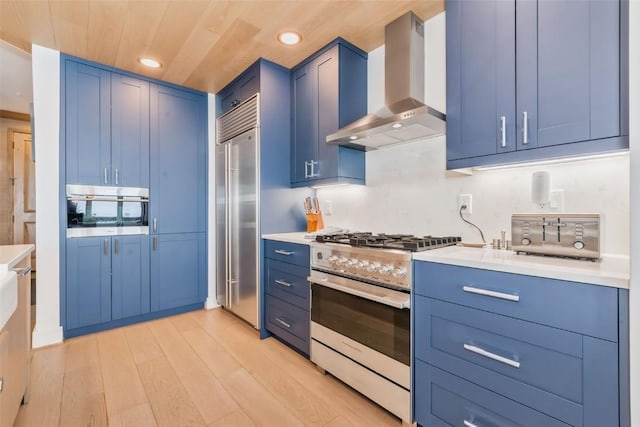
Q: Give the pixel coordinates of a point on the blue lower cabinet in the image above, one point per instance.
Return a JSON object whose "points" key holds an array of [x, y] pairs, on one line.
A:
{"points": [[88, 284], [129, 276], [509, 358], [288, 322], [178, 270]]}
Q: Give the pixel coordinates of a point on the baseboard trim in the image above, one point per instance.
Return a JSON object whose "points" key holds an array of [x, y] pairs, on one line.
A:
{"points": [[48, 336], [211, 303]]}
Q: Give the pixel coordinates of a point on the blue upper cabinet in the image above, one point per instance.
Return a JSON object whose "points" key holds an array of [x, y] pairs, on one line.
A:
{"points": [[129, 131], [177, 196], [87, 125], [239, 90], [328, 91], [106, 127], [532, 80]]}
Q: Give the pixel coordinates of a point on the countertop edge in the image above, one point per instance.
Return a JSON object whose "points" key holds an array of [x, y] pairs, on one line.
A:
{"points": [[537, 267], [10, 255], [296, 237]]}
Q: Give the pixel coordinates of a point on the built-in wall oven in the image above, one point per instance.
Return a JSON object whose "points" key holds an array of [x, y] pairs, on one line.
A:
{"points": [[360, 312], [106, 211]]}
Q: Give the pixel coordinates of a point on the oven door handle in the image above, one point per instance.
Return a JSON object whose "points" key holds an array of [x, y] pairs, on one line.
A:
{"points": [[386, 300]]}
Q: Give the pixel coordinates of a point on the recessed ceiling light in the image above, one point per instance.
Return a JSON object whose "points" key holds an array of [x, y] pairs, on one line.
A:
{"points": [[396, 125], [353, 137], [289, 37], [151, 63]]}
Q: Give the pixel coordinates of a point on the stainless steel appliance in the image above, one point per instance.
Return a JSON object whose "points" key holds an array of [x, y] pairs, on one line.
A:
{"points": [[404, 117], [237, 204], [106, 211], [566, 235], [360, 312]]}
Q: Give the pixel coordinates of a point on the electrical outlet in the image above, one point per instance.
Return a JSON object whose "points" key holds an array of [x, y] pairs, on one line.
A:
{"points": [[465, 200], [328, 208]]}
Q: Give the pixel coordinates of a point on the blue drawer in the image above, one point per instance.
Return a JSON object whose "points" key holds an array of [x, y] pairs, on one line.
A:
{"points": [[288, 282], [585, 309], [537, 365], [442, 399], [288, 322], [293, 253]]}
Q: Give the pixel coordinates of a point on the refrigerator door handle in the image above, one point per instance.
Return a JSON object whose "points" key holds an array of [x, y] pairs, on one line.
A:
{"points": [[227, 184]]}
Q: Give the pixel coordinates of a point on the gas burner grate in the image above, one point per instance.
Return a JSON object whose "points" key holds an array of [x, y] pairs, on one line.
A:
{"points": [[405, 242]]}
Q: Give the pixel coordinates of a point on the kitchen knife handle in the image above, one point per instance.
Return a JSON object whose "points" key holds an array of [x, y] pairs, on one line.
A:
{"points": [[525, 128], [503, 131]]}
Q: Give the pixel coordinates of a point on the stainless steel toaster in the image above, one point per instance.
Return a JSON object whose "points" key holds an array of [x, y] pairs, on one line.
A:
{"points": [[565, 235]]}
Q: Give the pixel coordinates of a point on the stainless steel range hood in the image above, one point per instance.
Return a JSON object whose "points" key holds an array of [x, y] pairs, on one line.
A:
{"points": [[405, 117]]}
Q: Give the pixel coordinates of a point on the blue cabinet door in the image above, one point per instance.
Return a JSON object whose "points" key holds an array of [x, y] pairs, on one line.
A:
{"points": [[480, 77], [178, 270], [129, 131], [304, 146], [177, 193], [129, 276], [568, 75], [88, 287], [87, 104], [239, 90]]}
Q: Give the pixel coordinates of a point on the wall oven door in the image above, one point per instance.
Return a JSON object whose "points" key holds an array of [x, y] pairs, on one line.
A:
{"points": [[106, 211]]}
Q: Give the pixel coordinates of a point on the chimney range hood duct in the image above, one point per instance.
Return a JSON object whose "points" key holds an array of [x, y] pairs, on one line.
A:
{"points": [[405, 117]]}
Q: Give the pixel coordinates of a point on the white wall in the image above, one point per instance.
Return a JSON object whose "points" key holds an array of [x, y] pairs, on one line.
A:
{"points": [[46, 100], [211, 206], [634, 132], [409, 191]]}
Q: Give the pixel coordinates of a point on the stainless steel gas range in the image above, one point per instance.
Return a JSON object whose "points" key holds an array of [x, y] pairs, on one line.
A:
{"points": [[360, 312]]}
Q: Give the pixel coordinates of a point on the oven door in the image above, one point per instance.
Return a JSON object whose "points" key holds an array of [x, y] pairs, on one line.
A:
{"points": [[374, 316]]}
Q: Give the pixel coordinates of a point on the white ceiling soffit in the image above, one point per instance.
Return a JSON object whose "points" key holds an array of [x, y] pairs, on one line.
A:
{"points": [[16, 86]]}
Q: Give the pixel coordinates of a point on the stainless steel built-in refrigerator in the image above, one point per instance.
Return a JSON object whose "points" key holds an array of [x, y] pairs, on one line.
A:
{"points": [[237, 204]]}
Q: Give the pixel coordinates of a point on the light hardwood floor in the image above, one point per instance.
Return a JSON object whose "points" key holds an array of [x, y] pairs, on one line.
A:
{"points": [[196, 369]]}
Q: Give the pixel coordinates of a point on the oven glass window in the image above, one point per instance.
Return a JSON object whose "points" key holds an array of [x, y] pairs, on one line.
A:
{"points": [[378, 326], [113, 213]]}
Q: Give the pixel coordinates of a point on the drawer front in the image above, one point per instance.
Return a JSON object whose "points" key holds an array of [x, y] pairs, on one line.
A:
{"points": [[288, 322], [585, 309], [288, 282], [442, 399], [536, 365], [293, 253]]}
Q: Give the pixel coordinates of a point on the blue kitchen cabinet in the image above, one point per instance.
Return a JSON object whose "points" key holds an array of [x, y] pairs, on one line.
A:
{"points": [[87, 123], [107, 279], [129, 276], [533, 351], [532, 80], [88, 284], [106, 126], [239, 90], [178, 166], [328, 91], [288, 293], [178, 270]]}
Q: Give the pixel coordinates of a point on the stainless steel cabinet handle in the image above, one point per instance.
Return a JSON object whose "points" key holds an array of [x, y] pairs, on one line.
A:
{"points": [[1, 384], [492, 356], [468, 423], [21, 272], [105, 246], [117, 176], [106, 176], [525, 128], [503, 131], [155, 224], [283, 283], [281, 252], [155, 243], [306, 169], [283, 323], [313, 171], [116, 246], [494, 294]]}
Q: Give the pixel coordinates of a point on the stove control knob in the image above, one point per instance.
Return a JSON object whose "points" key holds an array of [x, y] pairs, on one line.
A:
{"points": [[332, 259], [351, 263], [362, 265], [373, 267], [526, 241], [399, 272], [578, 244], [341, 261], [385, 270]]}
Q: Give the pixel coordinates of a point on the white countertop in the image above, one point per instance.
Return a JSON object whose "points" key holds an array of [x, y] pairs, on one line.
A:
{"points": [[609, 271], [297, 237], [10, 255]]}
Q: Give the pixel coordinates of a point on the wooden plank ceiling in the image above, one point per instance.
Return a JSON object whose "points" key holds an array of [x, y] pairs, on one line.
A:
{"points": [[202, 44]]}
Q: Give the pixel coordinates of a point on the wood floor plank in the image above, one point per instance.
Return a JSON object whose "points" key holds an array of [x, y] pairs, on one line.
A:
{"points": [[198, 380], [340, 421], [47, 378], [213, 354], [142, 344], [173, 407], [158, 375], [82, 353], [235, 419], [184, 322], [87, 410], [122, 386], [137, 416]]}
